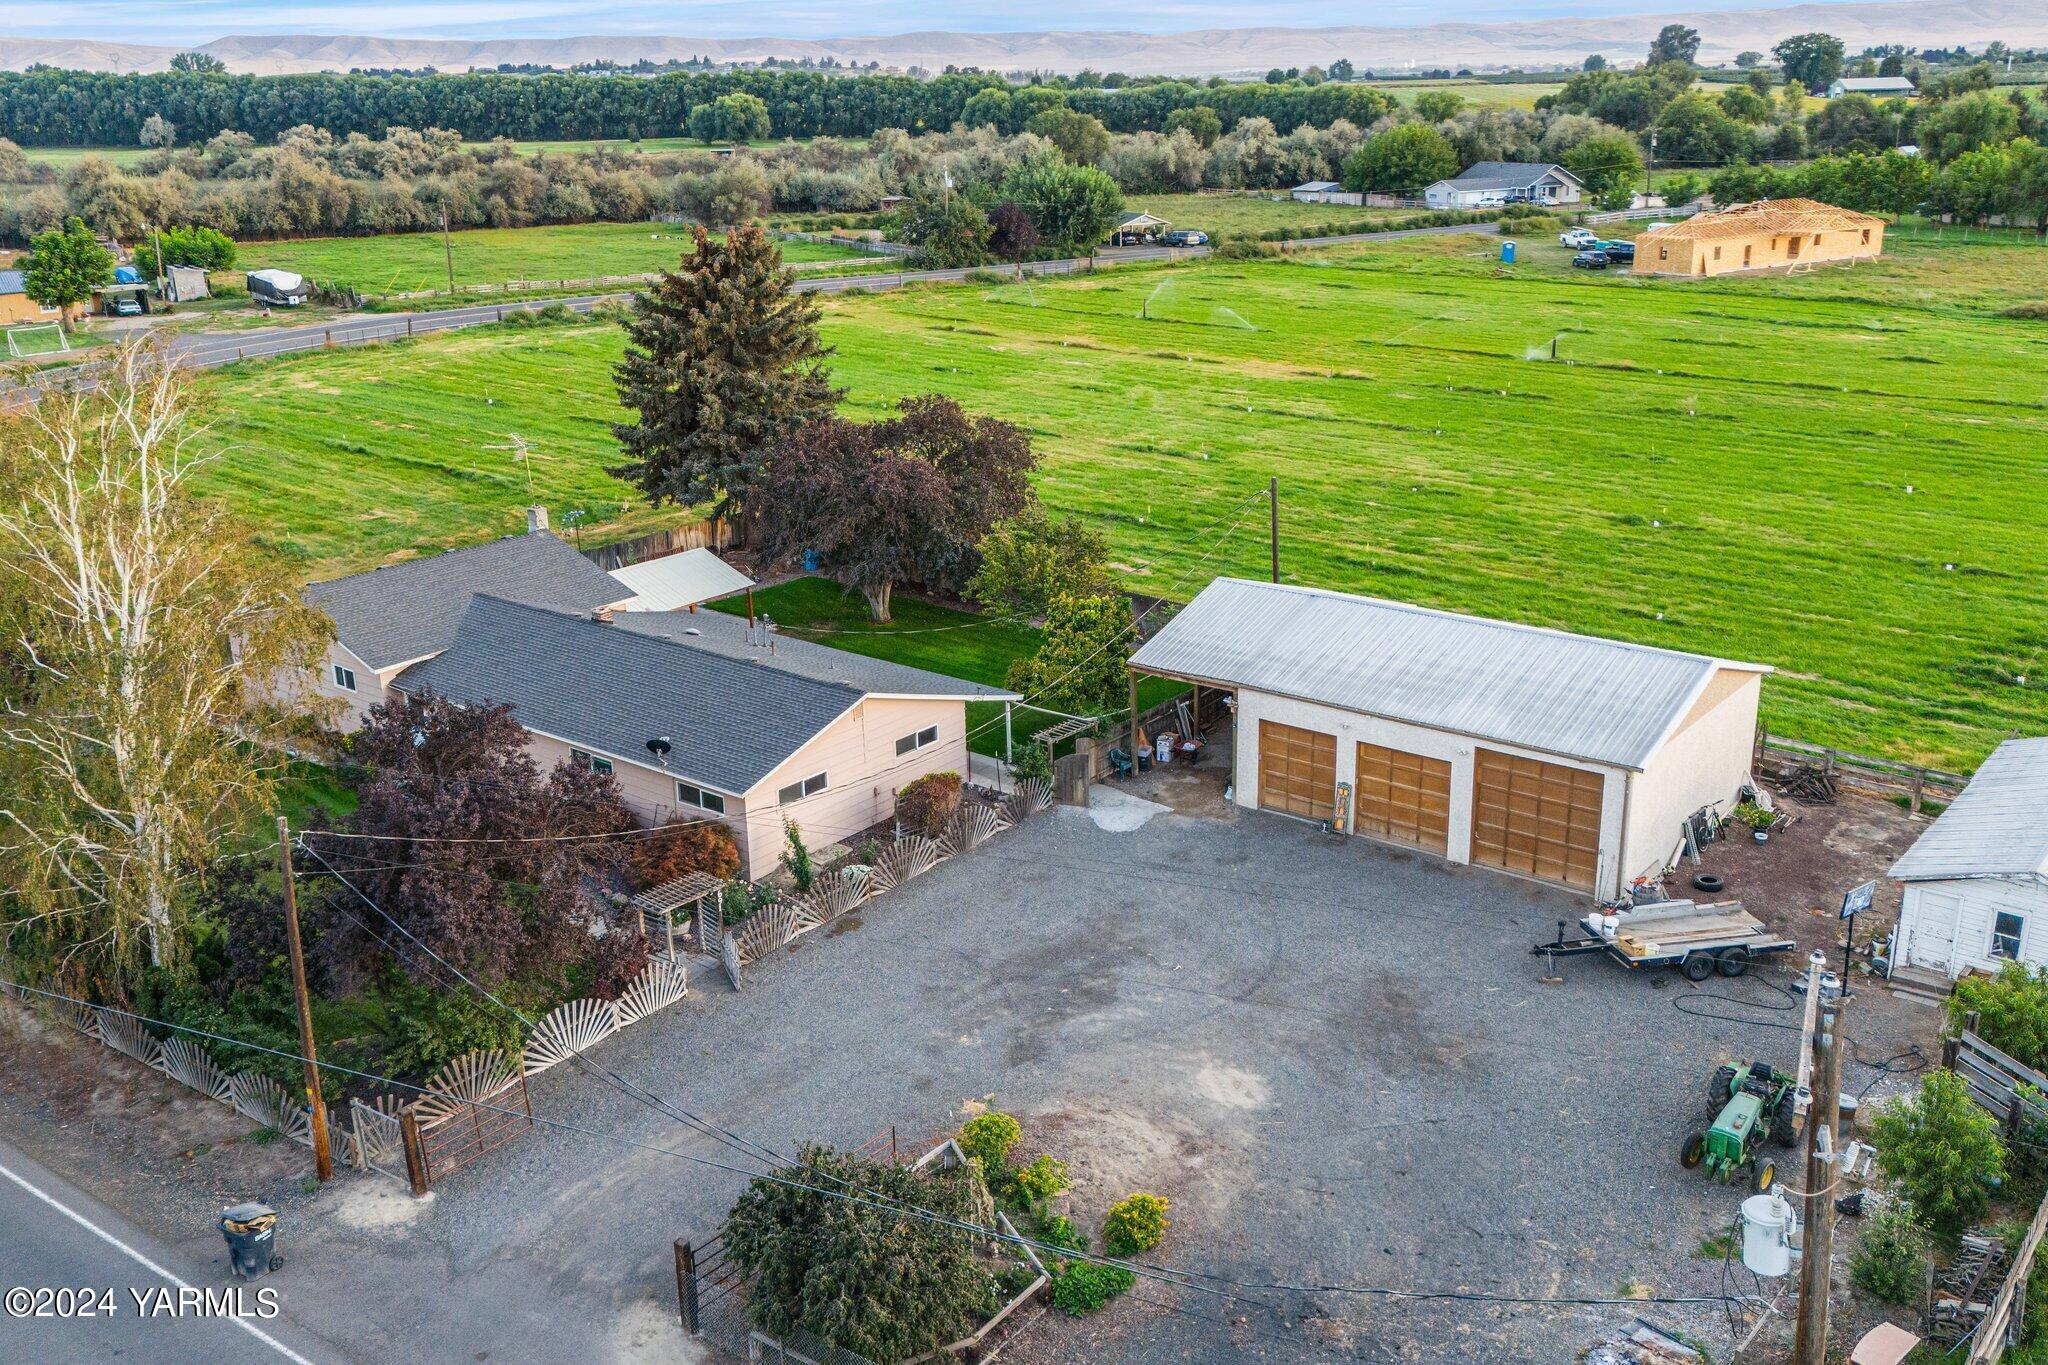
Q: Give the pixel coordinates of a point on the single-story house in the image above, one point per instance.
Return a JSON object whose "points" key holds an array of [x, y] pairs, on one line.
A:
{"points": [[1566, 758], [1325, 192], [1138, 229], [693, 713], [16, 307], [1877, 87], [673, 582], [1976, 882], [1489, 184], [1770, 234]]}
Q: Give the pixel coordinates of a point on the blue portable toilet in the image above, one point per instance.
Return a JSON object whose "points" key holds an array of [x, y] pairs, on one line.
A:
{"points": [[1507, 253]]}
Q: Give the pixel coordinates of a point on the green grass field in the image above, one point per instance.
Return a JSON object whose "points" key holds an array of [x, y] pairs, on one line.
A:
{"points": [[1500, 94], [406, 261], [922, 634], [1838, 474], [1252, 214]]}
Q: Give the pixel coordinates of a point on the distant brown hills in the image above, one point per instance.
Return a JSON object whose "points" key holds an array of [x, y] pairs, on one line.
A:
{"points": [[1226, 51]]}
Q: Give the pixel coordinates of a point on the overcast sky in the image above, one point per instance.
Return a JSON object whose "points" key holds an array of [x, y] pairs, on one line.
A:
{"points": [[196, 21]]}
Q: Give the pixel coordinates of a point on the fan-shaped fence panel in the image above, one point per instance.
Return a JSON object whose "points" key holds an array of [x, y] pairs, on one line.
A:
{"points": [[1031, 796], [473, 1078], [567, 1030], [660, 984], [973, 826], [125, 1034], [189, 1064], [903, 860], [263, 1100]]}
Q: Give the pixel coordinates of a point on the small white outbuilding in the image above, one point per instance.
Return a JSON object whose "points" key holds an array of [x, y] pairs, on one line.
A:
{"points": [[1566, 758], [1976, 883]]}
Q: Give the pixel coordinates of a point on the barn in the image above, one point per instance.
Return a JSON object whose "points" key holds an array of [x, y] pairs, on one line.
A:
{"points": [[1976, 882], [1565, 758]]}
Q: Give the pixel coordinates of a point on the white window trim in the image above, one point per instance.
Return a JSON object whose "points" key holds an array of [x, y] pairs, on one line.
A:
{"points": [[919, 739], [342, 671], [597, 763], [2019, 939], [704, 796], [803, 789]]}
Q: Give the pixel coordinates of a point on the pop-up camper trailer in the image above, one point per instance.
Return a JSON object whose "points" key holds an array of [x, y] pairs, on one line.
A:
{"points": [[279, 288]]}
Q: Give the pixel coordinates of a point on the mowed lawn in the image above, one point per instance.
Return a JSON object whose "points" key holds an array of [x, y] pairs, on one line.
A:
{"points": [[1839, 474], [921, 634], [398, 262]]}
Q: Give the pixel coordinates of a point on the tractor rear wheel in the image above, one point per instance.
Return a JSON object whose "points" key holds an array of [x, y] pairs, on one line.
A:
{"points": [[1697, 966], [1695, 1151], [1723, 1084], [1783, 1130], [1766, 1176]]}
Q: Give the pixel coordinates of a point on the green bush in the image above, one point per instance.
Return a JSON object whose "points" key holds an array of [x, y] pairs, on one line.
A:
{"points": [[797, 857], [2012, 1009], [1058, 1230], [927, 806], [1942, 1150], [1085, 1286], [1040, 1181], [1890, 1261], [428, 1028], [1135, 1223], [988, 1139], [1033, 762]]}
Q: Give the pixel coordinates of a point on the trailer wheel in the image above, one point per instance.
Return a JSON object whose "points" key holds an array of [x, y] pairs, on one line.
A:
{"points": [[1766, 1176], [1694, 1152], [1732, 961], [1697, 966]]}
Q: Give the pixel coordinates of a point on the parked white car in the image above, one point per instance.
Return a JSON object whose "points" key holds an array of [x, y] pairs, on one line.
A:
{"points": [[1578, 238]]}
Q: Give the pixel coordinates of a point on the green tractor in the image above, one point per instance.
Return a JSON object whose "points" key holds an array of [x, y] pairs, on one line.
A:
{"points": [[1756, 1101]]}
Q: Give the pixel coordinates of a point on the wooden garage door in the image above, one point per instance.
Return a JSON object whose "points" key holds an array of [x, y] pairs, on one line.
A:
{"points": [[1297, 771], [1539, 819], [1404, 797]]}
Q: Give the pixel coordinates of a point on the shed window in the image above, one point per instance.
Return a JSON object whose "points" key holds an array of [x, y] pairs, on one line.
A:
{"points": [[797, 791], [2006, 932], [1745, 254], [1717, 253], [1866, 236], [1663, 253], [591, 761], [687, 795], [910, 744], [344, 678]]}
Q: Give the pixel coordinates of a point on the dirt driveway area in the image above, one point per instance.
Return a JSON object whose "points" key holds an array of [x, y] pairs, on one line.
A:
{"points": [[1335, 1059]]}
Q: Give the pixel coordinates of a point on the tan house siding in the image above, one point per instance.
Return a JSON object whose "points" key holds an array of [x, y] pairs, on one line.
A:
{"points": [[16, 309], [372, 685], [1704, 763]]}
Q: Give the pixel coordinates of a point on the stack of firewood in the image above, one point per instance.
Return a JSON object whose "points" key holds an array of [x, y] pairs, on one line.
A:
{"points": [[1810, 783]]}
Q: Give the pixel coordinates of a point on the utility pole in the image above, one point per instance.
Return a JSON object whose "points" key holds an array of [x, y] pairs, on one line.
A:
{"points": [[323, 1158], [1817, 1240], [1650, 171], [448, 252], [1273, 509]]}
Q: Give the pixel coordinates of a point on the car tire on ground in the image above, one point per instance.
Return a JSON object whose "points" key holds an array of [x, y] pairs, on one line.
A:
{"points": [[1710, 882], [1732, 961], [1697, 966]]}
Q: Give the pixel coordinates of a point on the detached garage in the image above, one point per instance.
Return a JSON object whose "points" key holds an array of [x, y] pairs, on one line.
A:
{"points": [[1976, 883], [1565, 758]]}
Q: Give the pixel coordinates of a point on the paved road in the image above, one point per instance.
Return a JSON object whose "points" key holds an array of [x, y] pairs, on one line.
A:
{"points": [[59, 1238], [209, 349]]}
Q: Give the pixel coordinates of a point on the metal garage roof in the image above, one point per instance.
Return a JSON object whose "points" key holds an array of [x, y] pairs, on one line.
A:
{"points": [[1998, 827], [680, 580], [1577, 696]]}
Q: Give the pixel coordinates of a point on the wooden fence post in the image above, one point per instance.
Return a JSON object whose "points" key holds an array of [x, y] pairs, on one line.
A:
{"points": [[686, 1285], [415, 1151], [1919, 783]]}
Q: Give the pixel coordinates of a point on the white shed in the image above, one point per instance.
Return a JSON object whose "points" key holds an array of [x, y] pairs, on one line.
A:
{"points": [[1566, 758], [1976, 883], [681, 580]]}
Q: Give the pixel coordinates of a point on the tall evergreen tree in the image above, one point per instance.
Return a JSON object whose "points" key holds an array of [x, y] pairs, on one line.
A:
{"points": [[722, 362]]}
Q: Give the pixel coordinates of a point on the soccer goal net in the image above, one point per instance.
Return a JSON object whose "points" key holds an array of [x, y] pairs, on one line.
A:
{"points": [[37, 338]]}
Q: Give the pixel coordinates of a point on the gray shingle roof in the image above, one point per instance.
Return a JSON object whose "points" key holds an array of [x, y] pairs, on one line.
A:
{"points": [[1998, 827], [1577, 696], [1505, 175], [13, 282], [730, 721], [720, 633], [407, 611]]}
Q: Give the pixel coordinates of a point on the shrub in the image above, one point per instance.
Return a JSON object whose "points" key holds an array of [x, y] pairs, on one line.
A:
{"points": [[798, 857], [1135, 1224], [684, 845], [989, 1137], [1942, 1150], [1085, 1286], [1040, 1181], [1890, 1262], [1032, 763], [1058, 1230], [1755, 816], [2012, 1009], [929, 804], [1242, 249], [429, 1028]]}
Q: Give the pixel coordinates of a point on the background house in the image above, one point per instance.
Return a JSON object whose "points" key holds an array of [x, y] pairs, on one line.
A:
{"points": [[16, 307], [1325, 192], [673, 582], [1877, 87], [1567, 758], [1976, 883], [1487, 184], [1771, 234]]}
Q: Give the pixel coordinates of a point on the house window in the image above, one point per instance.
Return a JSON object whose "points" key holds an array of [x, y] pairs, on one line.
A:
{"points": [[910, 744], [2005, 935], [1717, 253], [1866, 236], [344, 678], [797, 791], [590, 761], [1663, 253], [1745, 254], [687, 795]]}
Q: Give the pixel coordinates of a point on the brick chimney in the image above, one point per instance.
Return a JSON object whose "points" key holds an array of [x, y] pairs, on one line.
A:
{"points": [[536, 519]]}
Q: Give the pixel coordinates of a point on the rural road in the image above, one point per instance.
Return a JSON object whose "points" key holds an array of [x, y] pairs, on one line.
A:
{"points": [[209, 349], [61, 1239]]}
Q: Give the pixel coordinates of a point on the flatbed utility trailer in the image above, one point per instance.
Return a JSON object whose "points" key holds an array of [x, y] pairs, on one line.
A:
{"points": [[1696, 939]]}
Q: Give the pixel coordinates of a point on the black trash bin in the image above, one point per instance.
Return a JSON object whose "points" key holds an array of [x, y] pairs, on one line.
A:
{"points": [[251, 1230]]}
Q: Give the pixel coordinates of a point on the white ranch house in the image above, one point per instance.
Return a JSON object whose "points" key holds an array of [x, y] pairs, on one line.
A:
{"points": [[1975, 893], [1489, 184]]}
